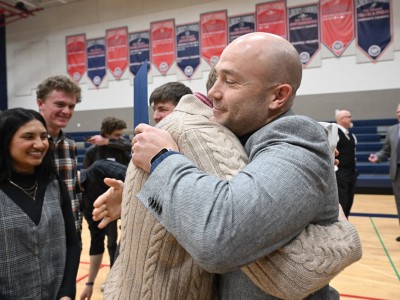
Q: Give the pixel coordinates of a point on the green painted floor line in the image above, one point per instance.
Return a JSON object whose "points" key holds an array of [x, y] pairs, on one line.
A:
{"points": [[384, 248]]}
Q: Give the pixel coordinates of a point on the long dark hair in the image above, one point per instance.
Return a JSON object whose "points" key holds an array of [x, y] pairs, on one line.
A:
{"points": [[10, 121]]}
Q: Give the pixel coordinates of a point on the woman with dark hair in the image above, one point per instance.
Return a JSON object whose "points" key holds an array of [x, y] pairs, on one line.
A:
{"points": [[39, 248]]}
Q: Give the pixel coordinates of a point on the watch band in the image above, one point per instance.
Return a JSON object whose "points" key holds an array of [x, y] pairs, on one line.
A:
{"points": [[161, 152]]}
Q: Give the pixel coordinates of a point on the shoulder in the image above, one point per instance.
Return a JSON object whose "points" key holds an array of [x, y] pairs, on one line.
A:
{"points": [[297, 126], [292, 133], [393, 128], [91, 149]]}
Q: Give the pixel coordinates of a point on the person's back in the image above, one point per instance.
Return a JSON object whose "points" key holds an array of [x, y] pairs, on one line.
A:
{"points": [[152, 264]]}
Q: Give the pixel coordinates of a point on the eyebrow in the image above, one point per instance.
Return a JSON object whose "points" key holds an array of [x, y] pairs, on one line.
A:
{"points": [[228, 72]]}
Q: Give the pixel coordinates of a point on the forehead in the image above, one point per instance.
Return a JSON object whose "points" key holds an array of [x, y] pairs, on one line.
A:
{"points": [[58, 96], [163, 104], [236, 61], [31, 126], [118, 131]]}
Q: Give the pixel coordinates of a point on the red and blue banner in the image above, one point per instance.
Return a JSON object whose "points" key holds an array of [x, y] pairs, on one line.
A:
{"points": [[271, 18], [374, 32], [240, 25], [139, 50], [337, 24], [304, 31], [117, 50], [163, 44], [96, 60], [188, 48], [76, 56], [214, 35]]}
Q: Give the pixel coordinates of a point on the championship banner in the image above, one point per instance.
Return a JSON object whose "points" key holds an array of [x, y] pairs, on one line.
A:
{"points": [[373, 26], [271, 18], [240, 25], [96, 60], [139, 50], [76, 56], [337, 24], [188, 48], [117, 50], [214, 38], [304, 31], [163, 45]]}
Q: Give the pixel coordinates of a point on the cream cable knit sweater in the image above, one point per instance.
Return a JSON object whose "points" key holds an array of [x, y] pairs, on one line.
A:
{"points": [[152, 265]]}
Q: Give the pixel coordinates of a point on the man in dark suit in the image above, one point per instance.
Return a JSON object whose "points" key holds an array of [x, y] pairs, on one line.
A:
{"points": [[391, 150], [346, 174]]}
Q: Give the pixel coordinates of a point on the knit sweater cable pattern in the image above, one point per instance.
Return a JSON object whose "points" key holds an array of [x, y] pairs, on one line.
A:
{"points": [[152, 265]]}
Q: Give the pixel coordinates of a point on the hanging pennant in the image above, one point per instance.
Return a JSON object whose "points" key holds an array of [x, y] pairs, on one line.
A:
{"points": [[337, 24], [117, 51], [374, 32], [76, 56], [214, 38], [96, 60], [188, 48], [163, 45], [240, 25], [139, 50], [271, 17], [304, 31]]}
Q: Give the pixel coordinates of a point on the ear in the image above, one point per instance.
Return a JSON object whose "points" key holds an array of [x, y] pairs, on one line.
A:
{"points": [[282, 93], [40, 103]]}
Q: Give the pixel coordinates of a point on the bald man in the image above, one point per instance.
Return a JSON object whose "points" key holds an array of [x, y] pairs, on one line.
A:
{"points": [[346, 174], [288, 183]]}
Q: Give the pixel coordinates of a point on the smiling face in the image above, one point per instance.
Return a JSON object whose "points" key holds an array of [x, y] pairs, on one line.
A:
{"points": [[238, 98], [254, 83], [57, 109], [28, 146]]}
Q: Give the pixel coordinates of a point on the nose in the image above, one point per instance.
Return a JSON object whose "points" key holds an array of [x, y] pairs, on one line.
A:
{"points": [[67, 111], [157, 116], [39, 143], [215, 92]]}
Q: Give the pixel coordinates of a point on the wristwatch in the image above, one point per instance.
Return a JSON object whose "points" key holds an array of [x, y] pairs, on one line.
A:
{"points": [[161, 152]]}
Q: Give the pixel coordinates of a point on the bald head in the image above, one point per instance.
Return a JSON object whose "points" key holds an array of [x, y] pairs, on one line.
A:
{"points": [[274, 58], [257, 77], [343, 118]]}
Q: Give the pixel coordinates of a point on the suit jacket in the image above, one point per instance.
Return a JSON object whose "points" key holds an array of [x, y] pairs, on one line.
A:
{"points": [[389, 149], [289, 183]]}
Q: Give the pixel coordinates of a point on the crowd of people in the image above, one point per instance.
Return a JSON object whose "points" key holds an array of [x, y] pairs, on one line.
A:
{"points": [[213, 201]]}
